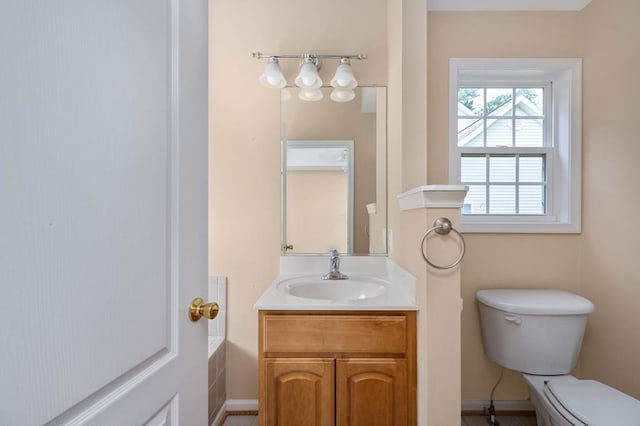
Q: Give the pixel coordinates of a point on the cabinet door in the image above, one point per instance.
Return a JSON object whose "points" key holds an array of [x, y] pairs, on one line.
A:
{"points": [[299, 392], [371, 392]]}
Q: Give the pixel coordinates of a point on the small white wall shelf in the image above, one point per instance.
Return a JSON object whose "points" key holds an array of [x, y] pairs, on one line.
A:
{"points": [[433, 196]]}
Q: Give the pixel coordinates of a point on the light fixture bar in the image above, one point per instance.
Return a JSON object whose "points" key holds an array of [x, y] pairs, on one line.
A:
{"points": [[260, 55]]}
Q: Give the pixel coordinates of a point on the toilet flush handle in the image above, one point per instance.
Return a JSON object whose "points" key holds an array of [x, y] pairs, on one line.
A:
{"points": [[514, 320]]}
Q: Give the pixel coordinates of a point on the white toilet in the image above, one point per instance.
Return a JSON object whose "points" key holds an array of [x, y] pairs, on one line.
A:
{"points": [[539, 333]]}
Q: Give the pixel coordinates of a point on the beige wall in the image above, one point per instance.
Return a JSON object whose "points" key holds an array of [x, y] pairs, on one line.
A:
{"points": [[611, 147], [597, 263], [317, 210], [245, 158], [244, 155], [438, 330], [244, 162], [496, 260]]}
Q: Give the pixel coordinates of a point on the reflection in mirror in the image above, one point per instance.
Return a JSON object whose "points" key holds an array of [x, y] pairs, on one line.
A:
{"points": [[334, 183], [319, 183]]}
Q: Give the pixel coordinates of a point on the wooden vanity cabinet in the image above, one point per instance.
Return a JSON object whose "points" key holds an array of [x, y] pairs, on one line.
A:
{"points": [[299, 391], [371, 392], [344, 368]]}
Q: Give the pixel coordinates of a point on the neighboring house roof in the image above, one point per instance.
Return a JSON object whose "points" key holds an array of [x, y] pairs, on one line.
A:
{"points": [[471, 134]]}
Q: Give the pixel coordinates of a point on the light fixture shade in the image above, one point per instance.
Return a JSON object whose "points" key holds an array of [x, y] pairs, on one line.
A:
{"points": [[272, 75], [308, 77], [343, 78], [342, 95], [312, 95]]}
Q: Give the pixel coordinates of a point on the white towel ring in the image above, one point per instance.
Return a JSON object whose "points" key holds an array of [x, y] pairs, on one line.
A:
{"points": [[442, 226]]}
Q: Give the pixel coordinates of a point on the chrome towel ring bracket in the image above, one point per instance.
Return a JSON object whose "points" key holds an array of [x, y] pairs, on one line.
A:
{"points": [[442, 226]]}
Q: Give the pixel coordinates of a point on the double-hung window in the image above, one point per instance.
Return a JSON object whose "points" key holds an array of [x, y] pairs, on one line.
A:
{"points": [[515, 142]]}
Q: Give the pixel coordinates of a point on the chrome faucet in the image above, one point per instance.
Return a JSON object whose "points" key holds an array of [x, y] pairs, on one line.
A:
{"points": [[334, 262]]}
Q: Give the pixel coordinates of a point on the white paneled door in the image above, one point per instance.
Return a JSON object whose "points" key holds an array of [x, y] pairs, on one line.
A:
{"points": [[103, 198]]}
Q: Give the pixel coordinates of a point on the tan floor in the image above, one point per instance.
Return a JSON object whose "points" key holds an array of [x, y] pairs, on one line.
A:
{"points": [[466, 421], [241, 421], [503, 420]]}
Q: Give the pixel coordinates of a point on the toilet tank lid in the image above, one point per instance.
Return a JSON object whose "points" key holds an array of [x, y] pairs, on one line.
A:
{"points": [[535, 302]]}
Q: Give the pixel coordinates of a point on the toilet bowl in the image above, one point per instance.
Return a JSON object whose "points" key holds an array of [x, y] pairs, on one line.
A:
{"points": [[539, 333], [567, 401]]}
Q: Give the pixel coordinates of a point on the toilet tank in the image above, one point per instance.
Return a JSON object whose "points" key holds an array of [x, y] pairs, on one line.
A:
{"points": [[533, 331]]}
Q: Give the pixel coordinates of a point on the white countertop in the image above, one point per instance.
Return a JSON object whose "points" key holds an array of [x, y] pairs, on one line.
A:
{"points": [[400, 294]]}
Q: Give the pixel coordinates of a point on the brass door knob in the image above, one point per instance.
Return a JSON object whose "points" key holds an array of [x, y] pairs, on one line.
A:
{"points": [[199, 309]]}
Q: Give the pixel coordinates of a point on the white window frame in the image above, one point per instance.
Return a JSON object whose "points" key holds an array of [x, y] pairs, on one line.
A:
{"points": [[564, 160]]}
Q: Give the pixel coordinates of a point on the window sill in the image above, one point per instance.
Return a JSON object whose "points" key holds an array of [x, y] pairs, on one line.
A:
{"points": [[514, 225]]}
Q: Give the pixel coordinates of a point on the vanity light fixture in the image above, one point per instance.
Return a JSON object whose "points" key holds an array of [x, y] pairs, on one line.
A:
{"points": [[308, 79], [343, 78], [343, 82], [272, 75]]}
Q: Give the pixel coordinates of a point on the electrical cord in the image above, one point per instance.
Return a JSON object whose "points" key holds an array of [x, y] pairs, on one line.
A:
{"points": [[492, 410]]}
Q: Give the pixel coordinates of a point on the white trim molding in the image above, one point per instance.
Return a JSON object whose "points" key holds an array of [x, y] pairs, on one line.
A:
{"points": [[241, 405], [506, 5], [563, 141], [231, 405], [433, 196]]}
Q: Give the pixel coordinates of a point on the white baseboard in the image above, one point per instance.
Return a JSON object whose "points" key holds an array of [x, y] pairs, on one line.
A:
{"points": [[217, 421], [241, 405], [479, 405], [231, 405]]}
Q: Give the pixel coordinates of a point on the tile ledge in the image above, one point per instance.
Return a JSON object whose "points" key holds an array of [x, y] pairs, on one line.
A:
{"points": [[433, 196]]}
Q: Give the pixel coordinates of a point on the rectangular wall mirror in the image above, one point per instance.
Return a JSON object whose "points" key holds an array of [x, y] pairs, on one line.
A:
{"points": [[334, 173]]}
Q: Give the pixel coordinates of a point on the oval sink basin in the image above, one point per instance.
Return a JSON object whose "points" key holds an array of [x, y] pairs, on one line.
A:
{"points": [[354, 288]]}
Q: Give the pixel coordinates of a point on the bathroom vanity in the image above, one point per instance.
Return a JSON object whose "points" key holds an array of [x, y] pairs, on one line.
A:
{"points": [[345, 356], [337, 367]]}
